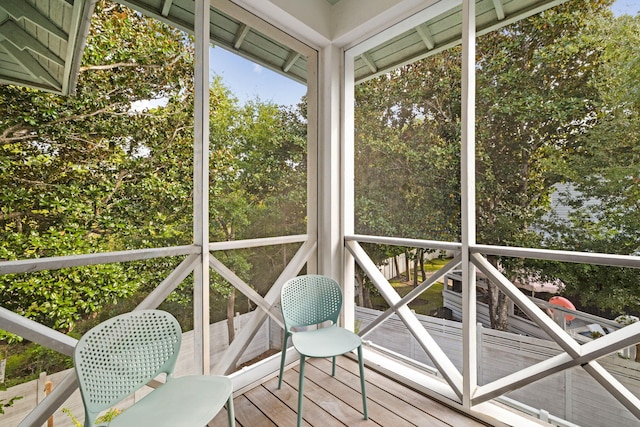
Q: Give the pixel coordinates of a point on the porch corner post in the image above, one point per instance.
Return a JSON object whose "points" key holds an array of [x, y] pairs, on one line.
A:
{"points": [[330, 211], [469, 327], [201, 187]]}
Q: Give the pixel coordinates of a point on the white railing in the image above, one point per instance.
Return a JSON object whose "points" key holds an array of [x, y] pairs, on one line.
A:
{"points": [[64, 344], [574, 354]]}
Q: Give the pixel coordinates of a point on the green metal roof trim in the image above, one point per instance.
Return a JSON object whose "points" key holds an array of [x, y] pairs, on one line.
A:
{"points": [[228, 33], [442, 32], [429, 38], [42, 41]]}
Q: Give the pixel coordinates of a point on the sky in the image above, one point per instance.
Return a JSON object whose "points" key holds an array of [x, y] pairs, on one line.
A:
{"points": [[248, 81], [629, 7]]}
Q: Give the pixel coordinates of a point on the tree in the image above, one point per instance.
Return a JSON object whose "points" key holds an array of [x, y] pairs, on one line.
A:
{"points": [[96, 173], [533, 102], [407, 151], [86, 173], [605, 200]]}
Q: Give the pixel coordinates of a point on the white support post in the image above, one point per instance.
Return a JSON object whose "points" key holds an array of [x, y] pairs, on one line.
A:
{"points": [[347, 184], [329, 242], [201, 187], [479, 350], [314, 123], [469, 346]]}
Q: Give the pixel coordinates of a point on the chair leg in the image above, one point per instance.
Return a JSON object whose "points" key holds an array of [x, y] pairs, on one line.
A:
{"points": [[283, 357], [362, 382], [333, 367], [230, 412], [301, 389]]}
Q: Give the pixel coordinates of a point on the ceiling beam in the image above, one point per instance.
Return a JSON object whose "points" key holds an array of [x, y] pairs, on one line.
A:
{"points": [[166, 6], [497, 5], [426, 36], [366, 57], [23, 40], [291, 59], [29, 64], [21, 10], [242, 32]]}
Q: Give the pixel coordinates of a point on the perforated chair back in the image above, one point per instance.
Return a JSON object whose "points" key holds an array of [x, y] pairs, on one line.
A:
{"points": [[122, 354], [310, 300]]}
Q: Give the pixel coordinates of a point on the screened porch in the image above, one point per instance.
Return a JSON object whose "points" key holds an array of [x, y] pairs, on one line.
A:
{"points": [[330, 46]]}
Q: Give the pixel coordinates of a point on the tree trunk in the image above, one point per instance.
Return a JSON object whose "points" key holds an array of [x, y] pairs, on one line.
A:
{"points": [[284, 254], [231, 314], [415, 271], [637, 352], [422, 272], [407, 265], [360, 293], [367, 298], [396, 265], [498, 308]]}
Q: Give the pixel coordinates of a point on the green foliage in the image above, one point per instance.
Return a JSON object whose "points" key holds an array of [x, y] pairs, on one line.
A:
{"points": [[73, 418], [87, 173], [91, 174], [25, 361], [557, 101], [407, 151], [603, 174], [8, 403], [106, 418], [534, 102]]}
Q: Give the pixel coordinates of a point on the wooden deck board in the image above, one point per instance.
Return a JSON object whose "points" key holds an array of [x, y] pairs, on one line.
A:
{"points": [[423, 403], [336, 401], [328, 401], [406, 412], [344, 387]]}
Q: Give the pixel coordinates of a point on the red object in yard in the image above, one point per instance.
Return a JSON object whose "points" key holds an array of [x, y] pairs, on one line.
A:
{"points": [[562, 302]]}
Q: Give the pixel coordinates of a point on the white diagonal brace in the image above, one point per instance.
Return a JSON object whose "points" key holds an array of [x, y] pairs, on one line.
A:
{"points": [[426, 341], [227, 361], [52, 402], [415, 293], [559, 335], [590, 352], [162, 291], [247, 290], [36, 332], [613, 386]]}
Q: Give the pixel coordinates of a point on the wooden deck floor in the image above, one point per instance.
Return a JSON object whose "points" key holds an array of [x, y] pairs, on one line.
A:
{"points": [[336, 401]]}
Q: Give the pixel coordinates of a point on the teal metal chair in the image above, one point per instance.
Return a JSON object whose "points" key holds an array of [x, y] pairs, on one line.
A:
{"points": [[310, 303], [121, 355]]}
